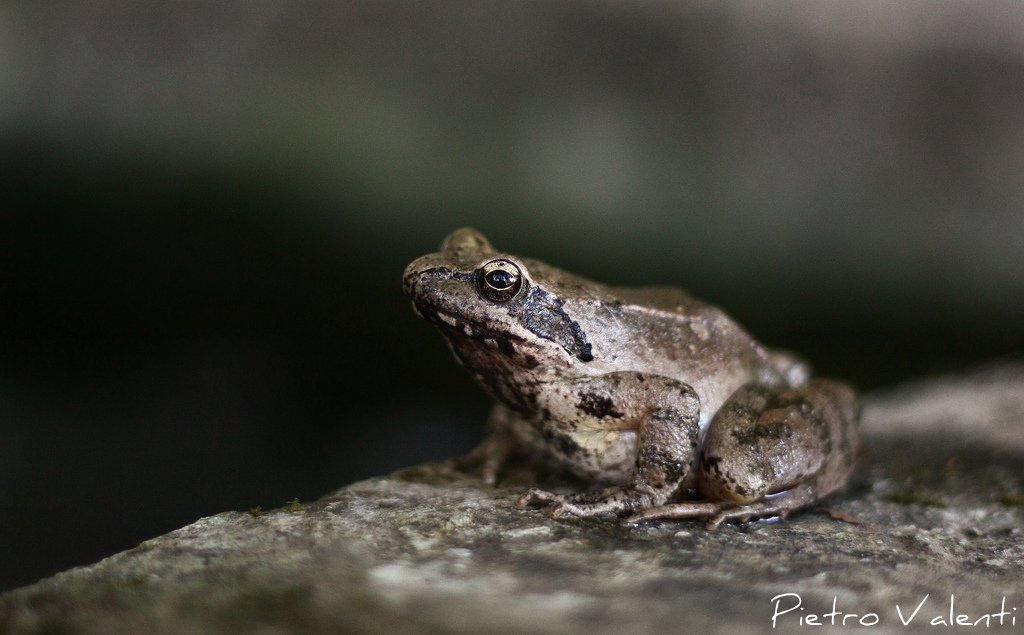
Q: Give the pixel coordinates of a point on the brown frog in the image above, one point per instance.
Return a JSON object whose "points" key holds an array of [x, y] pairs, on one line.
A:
{"points": [[659, 397]]}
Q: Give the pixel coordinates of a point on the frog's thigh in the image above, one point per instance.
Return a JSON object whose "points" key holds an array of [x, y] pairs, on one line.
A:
{"points": [[764, 441]]}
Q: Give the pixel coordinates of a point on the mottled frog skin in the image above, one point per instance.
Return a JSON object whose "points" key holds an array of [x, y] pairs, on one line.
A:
{"points": [[659, 398]]}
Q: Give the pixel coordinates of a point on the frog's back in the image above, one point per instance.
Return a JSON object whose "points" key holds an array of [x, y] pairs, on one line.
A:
{"points": [[667, 300], [666, 331], [678, 322]]}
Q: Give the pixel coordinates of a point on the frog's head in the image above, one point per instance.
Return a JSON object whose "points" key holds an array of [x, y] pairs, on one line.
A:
{"points": [[496, 310]]}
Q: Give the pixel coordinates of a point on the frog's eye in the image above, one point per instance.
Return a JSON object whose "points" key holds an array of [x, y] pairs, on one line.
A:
{"points": [[499, 280]]}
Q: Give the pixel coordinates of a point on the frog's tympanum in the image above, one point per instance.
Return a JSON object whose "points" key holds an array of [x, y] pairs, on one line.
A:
{"points": [[661, 399]]}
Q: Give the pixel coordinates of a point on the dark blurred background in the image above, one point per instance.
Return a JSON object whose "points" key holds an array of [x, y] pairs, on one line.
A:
{"points": [[207, 209]]}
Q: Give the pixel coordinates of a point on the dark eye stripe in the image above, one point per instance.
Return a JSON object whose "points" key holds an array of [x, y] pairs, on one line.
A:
{"points": [[545, 316]]}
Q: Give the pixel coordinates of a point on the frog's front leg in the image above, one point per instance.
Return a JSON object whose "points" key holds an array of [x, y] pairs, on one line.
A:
{"points": [[510, 436], [769, 452], [642, 429], [491, 456]]}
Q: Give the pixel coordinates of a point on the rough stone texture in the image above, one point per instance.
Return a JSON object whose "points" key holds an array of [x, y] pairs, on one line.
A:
{"points": [[938, 500]]}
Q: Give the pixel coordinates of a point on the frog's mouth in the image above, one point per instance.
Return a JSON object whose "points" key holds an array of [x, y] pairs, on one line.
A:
{"points": [[470, 329], [431, 306]]}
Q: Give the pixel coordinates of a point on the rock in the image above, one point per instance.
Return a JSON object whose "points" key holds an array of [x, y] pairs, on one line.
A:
{"points": [[937, 505]]}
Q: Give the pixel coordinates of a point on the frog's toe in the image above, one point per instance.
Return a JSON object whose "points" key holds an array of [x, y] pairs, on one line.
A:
{"points": [[563, 507], [487, 459], [716, 512], [562, 510], [680, 511], [746, 513], [489, 474], [567, 509], [537, 497]]}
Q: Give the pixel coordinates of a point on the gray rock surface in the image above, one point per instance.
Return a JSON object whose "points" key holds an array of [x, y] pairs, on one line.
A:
{"points": [[938, 505]]}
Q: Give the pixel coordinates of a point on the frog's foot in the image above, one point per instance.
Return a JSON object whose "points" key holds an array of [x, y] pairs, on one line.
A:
{"points": [[708, 510], [717, 512], [614, 500], [489, 459]]}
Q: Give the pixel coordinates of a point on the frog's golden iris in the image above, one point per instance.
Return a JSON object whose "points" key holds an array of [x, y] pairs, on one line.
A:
{"points": [[499, 280]]}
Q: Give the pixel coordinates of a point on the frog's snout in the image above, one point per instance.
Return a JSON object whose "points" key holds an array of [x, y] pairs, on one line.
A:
{"points": [[410, 278], [420, 269]]}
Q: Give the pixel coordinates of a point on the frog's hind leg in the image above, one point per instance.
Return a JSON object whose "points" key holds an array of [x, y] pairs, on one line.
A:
{"points": [[717, 512], [769, 452]]}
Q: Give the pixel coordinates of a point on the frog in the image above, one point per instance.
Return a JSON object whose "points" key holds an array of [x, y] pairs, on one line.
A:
{"points": [[659, 404]]}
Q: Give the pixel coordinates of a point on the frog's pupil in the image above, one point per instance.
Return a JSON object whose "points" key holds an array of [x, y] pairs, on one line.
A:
{"points": [[501, 279]]}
